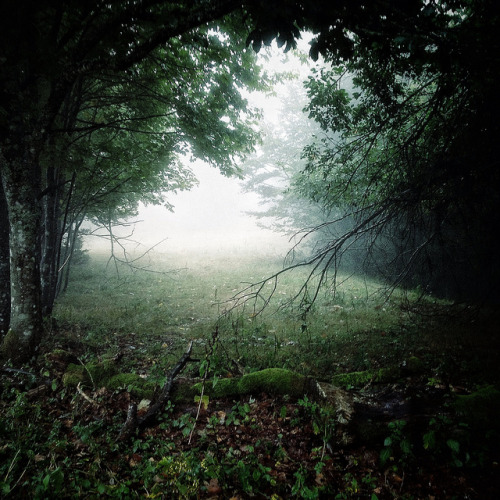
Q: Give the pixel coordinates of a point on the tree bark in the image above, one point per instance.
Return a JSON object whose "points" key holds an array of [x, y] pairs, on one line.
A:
{"points": [[4, 265], [50, 241], [21, 182]]}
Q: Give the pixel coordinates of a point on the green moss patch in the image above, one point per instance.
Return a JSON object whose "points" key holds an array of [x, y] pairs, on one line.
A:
{"points": [[274, 381], [270, 380], [91, 374], [136, 385], [480, 408], [74, 375]]}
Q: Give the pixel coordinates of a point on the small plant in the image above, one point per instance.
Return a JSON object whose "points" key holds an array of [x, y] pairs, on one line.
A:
{"points": [[179, 475], [396, 446], [441, 442], [300, 488], [239, 413], [322, 420]]}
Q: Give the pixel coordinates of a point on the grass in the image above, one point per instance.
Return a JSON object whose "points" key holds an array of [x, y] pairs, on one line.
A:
{"points": [[57, 441], [153, 315]]}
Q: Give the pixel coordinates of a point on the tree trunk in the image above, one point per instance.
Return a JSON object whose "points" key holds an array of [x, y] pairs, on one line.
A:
{"points": [[75, 232], [21, 182], [51, 241], [4, 265]]}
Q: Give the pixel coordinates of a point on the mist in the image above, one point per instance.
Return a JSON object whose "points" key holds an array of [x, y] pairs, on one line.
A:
{"points": [[212, 217]]}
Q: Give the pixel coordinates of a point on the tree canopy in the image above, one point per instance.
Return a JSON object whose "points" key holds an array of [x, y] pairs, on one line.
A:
{"points": [[411, 152], [98, 102]]}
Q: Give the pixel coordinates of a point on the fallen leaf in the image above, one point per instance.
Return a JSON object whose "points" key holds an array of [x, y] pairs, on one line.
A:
{"points": [[213, 487], [144, 404], [320, 479], [135, 460]]}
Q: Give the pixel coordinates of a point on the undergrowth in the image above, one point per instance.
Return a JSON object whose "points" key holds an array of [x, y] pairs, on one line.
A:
{"points": [[54, 442]]}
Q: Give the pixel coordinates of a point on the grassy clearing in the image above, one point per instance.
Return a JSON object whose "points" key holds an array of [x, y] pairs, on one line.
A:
{"points": [[152, 316], [59, 440]]}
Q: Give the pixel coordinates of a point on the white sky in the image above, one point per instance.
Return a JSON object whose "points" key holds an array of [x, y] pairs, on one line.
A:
{"points": [[210, 217]]}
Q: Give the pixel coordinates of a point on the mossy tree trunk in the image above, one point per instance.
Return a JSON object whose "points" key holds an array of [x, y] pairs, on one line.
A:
{"points": [[4, 264], [21, 183]]}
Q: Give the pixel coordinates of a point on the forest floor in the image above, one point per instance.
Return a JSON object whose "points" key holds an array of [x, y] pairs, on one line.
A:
{"points": [[429, 431]]}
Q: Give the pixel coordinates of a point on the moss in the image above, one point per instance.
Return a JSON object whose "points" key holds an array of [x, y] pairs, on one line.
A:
{"points": [[480, 408], [15, 349], [59, 359], [225, 387], [136, 385], [415, 365], [390, 374], [73, 375], [353, 379], [100, 373], [270, 380], [273, 381], [92, 374], [359, 379]]}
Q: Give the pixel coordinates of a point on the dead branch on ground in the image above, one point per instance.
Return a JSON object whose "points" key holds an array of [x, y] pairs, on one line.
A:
{"points": [[134, 422]]}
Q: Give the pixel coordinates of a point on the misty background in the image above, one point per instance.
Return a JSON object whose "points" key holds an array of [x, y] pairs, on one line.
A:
{"points": [[215, 215]]}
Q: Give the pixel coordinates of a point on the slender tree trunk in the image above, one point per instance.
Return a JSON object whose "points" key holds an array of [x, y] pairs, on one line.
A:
{"points": [[21, 182], [71, 242], [51, 239], [66, 228], [4, 264]]}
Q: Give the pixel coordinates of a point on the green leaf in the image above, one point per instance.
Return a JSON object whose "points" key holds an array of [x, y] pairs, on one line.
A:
{"points": [[385, 455], [453, 445], [405, 446], [204, 400], [429, 440]]}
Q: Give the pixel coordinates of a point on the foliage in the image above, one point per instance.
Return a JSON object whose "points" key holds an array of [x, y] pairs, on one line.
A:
{"points": [[56, 441], [397, 446], [269, 170], [404, 166], [115, 94]]}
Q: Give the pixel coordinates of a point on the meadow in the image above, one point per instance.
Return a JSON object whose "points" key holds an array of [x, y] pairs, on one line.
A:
{"points": [[154, 312], [421, 373]]}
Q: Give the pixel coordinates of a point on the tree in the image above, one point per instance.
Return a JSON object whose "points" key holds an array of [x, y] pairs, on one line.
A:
{"points": [[278, 157], [414, 164], [127, 138], [4, 266], [54, 54], [410, 155], [51, 49]]}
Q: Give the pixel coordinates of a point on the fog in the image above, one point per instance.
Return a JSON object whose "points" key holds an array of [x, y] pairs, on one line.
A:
{"points": [[211, 218]]}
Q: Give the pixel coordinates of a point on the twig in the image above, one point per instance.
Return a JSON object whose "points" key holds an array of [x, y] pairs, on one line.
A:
{"points": [[215, 337], [87, 398], [12, 465], [132, 422], [197, 410], [45, 381]]}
